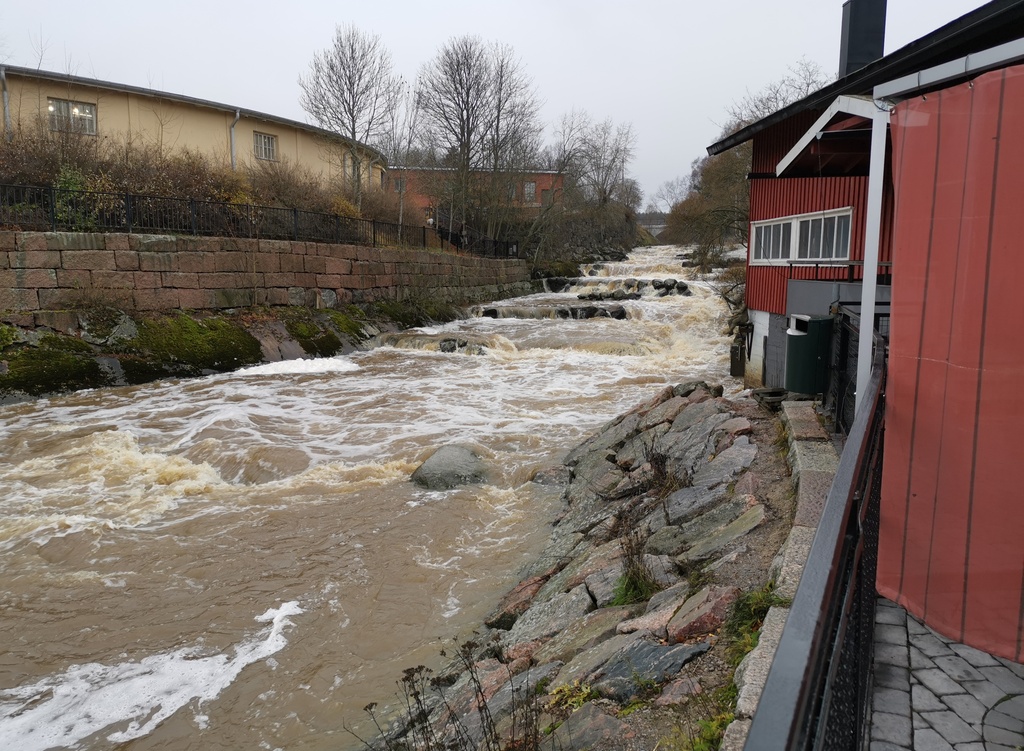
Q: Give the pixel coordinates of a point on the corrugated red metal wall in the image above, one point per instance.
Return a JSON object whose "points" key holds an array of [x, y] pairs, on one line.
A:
{"points": [[778, 197], [951, 547]]}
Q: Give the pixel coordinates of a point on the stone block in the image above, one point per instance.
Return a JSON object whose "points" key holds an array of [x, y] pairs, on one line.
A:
{"points": [[789, 563], [812, 490], [156, 299], [18, 299], [291, 263], [328, 281], [74, 241], [196, 299], [314, 265], [116, 241], [29, 241], [126, 260], [94, 260], [193, 262], [75, 279], [267, 262], [153, 244], [752, 672], [157, 261], [34, 259], [338, 266], [8, 241], [146, 279], [113, 279], [179, 280], [802, 422], [32, 278], [233, 298], [55, 299], [278, 296], [231, 261]]}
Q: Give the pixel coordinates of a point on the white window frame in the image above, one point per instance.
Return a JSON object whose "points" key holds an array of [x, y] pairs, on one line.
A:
{"points": [[264, 146], [530, 192], [791, 239], [72, 117]]}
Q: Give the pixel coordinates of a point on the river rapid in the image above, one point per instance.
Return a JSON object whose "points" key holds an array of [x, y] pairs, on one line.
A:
{"points": [[240, 561]]}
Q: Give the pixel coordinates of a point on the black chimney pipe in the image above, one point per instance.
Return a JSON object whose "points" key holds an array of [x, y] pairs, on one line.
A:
{"points": [[863, 39]]}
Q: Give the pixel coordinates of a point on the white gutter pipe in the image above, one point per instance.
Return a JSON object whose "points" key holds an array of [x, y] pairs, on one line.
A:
{"points": [[238, 116], [8, 129], [872, 235]]}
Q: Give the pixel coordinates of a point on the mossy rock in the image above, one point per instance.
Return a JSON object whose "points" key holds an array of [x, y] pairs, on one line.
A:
{"points": [[8, 335], [197, 346], [313, 339], [348, 324], [50, 369]]}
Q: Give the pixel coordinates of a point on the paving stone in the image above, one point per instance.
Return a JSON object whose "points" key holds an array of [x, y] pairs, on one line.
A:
{"points": [[938, 682], [885, 746], [986, 692], [735, 736], [1001, 735], [1003, 677], [975, 657], [890, 676], [958, 668], [969, 747], [893, 616], [967, 708], [918, 661], [1015, 667], [915, 627], [929, 644], [891, 700], [928, 740], [890, 634], [802, 422], [891, 728], [951, 727], [1000, 747], [924, 700], [998, 719], [813, 456], [890, 654], [920, 723], [811, 492], [944, 639]]}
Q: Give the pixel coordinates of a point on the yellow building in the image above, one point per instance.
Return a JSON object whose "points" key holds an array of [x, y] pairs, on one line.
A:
{"points": [[36, 98]]}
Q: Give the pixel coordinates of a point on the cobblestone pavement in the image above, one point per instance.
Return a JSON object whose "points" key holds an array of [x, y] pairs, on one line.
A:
{"points": [[933, 694]]}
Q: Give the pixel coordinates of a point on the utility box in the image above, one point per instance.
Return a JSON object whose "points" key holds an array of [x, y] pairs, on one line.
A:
{"points": [[808, 340]]}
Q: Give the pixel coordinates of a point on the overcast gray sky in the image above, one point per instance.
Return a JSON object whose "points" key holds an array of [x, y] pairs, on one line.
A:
{"points": [[670, 67]]}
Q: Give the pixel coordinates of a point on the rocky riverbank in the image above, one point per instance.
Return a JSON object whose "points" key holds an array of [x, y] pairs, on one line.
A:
{"points": [[53, 352], [625, 632]]}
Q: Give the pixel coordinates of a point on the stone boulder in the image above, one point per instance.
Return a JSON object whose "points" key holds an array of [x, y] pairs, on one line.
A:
{"points": [[623, 676], [702, 614], [449, 467]]}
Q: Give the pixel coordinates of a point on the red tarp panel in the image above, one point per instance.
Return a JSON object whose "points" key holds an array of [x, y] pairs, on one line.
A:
{"points": [[951, 547]]}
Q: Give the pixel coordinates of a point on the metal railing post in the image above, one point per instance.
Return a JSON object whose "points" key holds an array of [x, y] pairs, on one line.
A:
{"points": [[295, 224], [128, 211], [53, 209], [373, 230]]}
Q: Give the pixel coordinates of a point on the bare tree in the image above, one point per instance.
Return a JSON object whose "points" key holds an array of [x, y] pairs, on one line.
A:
{"points": [[605, 152], [480, 116], [351, 89], [669, 193], [804, 77], [399, 139]]}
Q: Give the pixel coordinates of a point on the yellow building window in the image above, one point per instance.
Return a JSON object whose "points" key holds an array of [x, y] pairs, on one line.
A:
{"points": [[265, 146], [74, 117]]}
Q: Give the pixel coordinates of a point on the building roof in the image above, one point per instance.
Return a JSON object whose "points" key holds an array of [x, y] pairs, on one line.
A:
{"points": [[995, 23], [66, 78]]}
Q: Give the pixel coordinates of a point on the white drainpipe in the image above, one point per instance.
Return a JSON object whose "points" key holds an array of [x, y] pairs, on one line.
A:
{"points": [[872, 233], [238, 116], [8, 130]]}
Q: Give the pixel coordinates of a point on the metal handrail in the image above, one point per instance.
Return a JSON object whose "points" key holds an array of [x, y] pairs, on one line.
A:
{"points": [[54, 209], [798, 699]]}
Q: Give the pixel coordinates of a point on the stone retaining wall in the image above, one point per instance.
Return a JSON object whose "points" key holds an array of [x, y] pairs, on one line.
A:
{"points": [[57, 270]]}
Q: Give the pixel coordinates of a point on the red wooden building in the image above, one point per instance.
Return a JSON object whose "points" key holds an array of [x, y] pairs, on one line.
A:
{"points": [[917, 160]]}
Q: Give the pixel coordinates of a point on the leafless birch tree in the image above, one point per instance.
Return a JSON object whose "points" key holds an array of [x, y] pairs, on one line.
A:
{"points": [[351, 90]]}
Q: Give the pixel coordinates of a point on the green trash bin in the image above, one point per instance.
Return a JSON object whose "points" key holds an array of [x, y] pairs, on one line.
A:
{"points": [[808, 339]]}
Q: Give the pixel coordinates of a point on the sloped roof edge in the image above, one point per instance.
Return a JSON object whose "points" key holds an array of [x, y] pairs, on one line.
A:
{"points": [[996, 21], [67, 78]]}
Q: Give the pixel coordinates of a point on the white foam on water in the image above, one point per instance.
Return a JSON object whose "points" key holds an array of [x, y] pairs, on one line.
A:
{"points": [[301, 367], [65, 709]]}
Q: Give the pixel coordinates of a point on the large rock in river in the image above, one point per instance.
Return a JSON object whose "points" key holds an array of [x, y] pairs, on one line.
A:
{"points": [[449, 467]]}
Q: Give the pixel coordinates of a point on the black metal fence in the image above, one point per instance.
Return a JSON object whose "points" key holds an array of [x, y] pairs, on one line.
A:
{"points": [[51, 209], [817, 692], [840, 396]]}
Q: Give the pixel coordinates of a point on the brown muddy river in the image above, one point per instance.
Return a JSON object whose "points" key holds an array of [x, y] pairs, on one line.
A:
{"points": [[241, 562]]}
